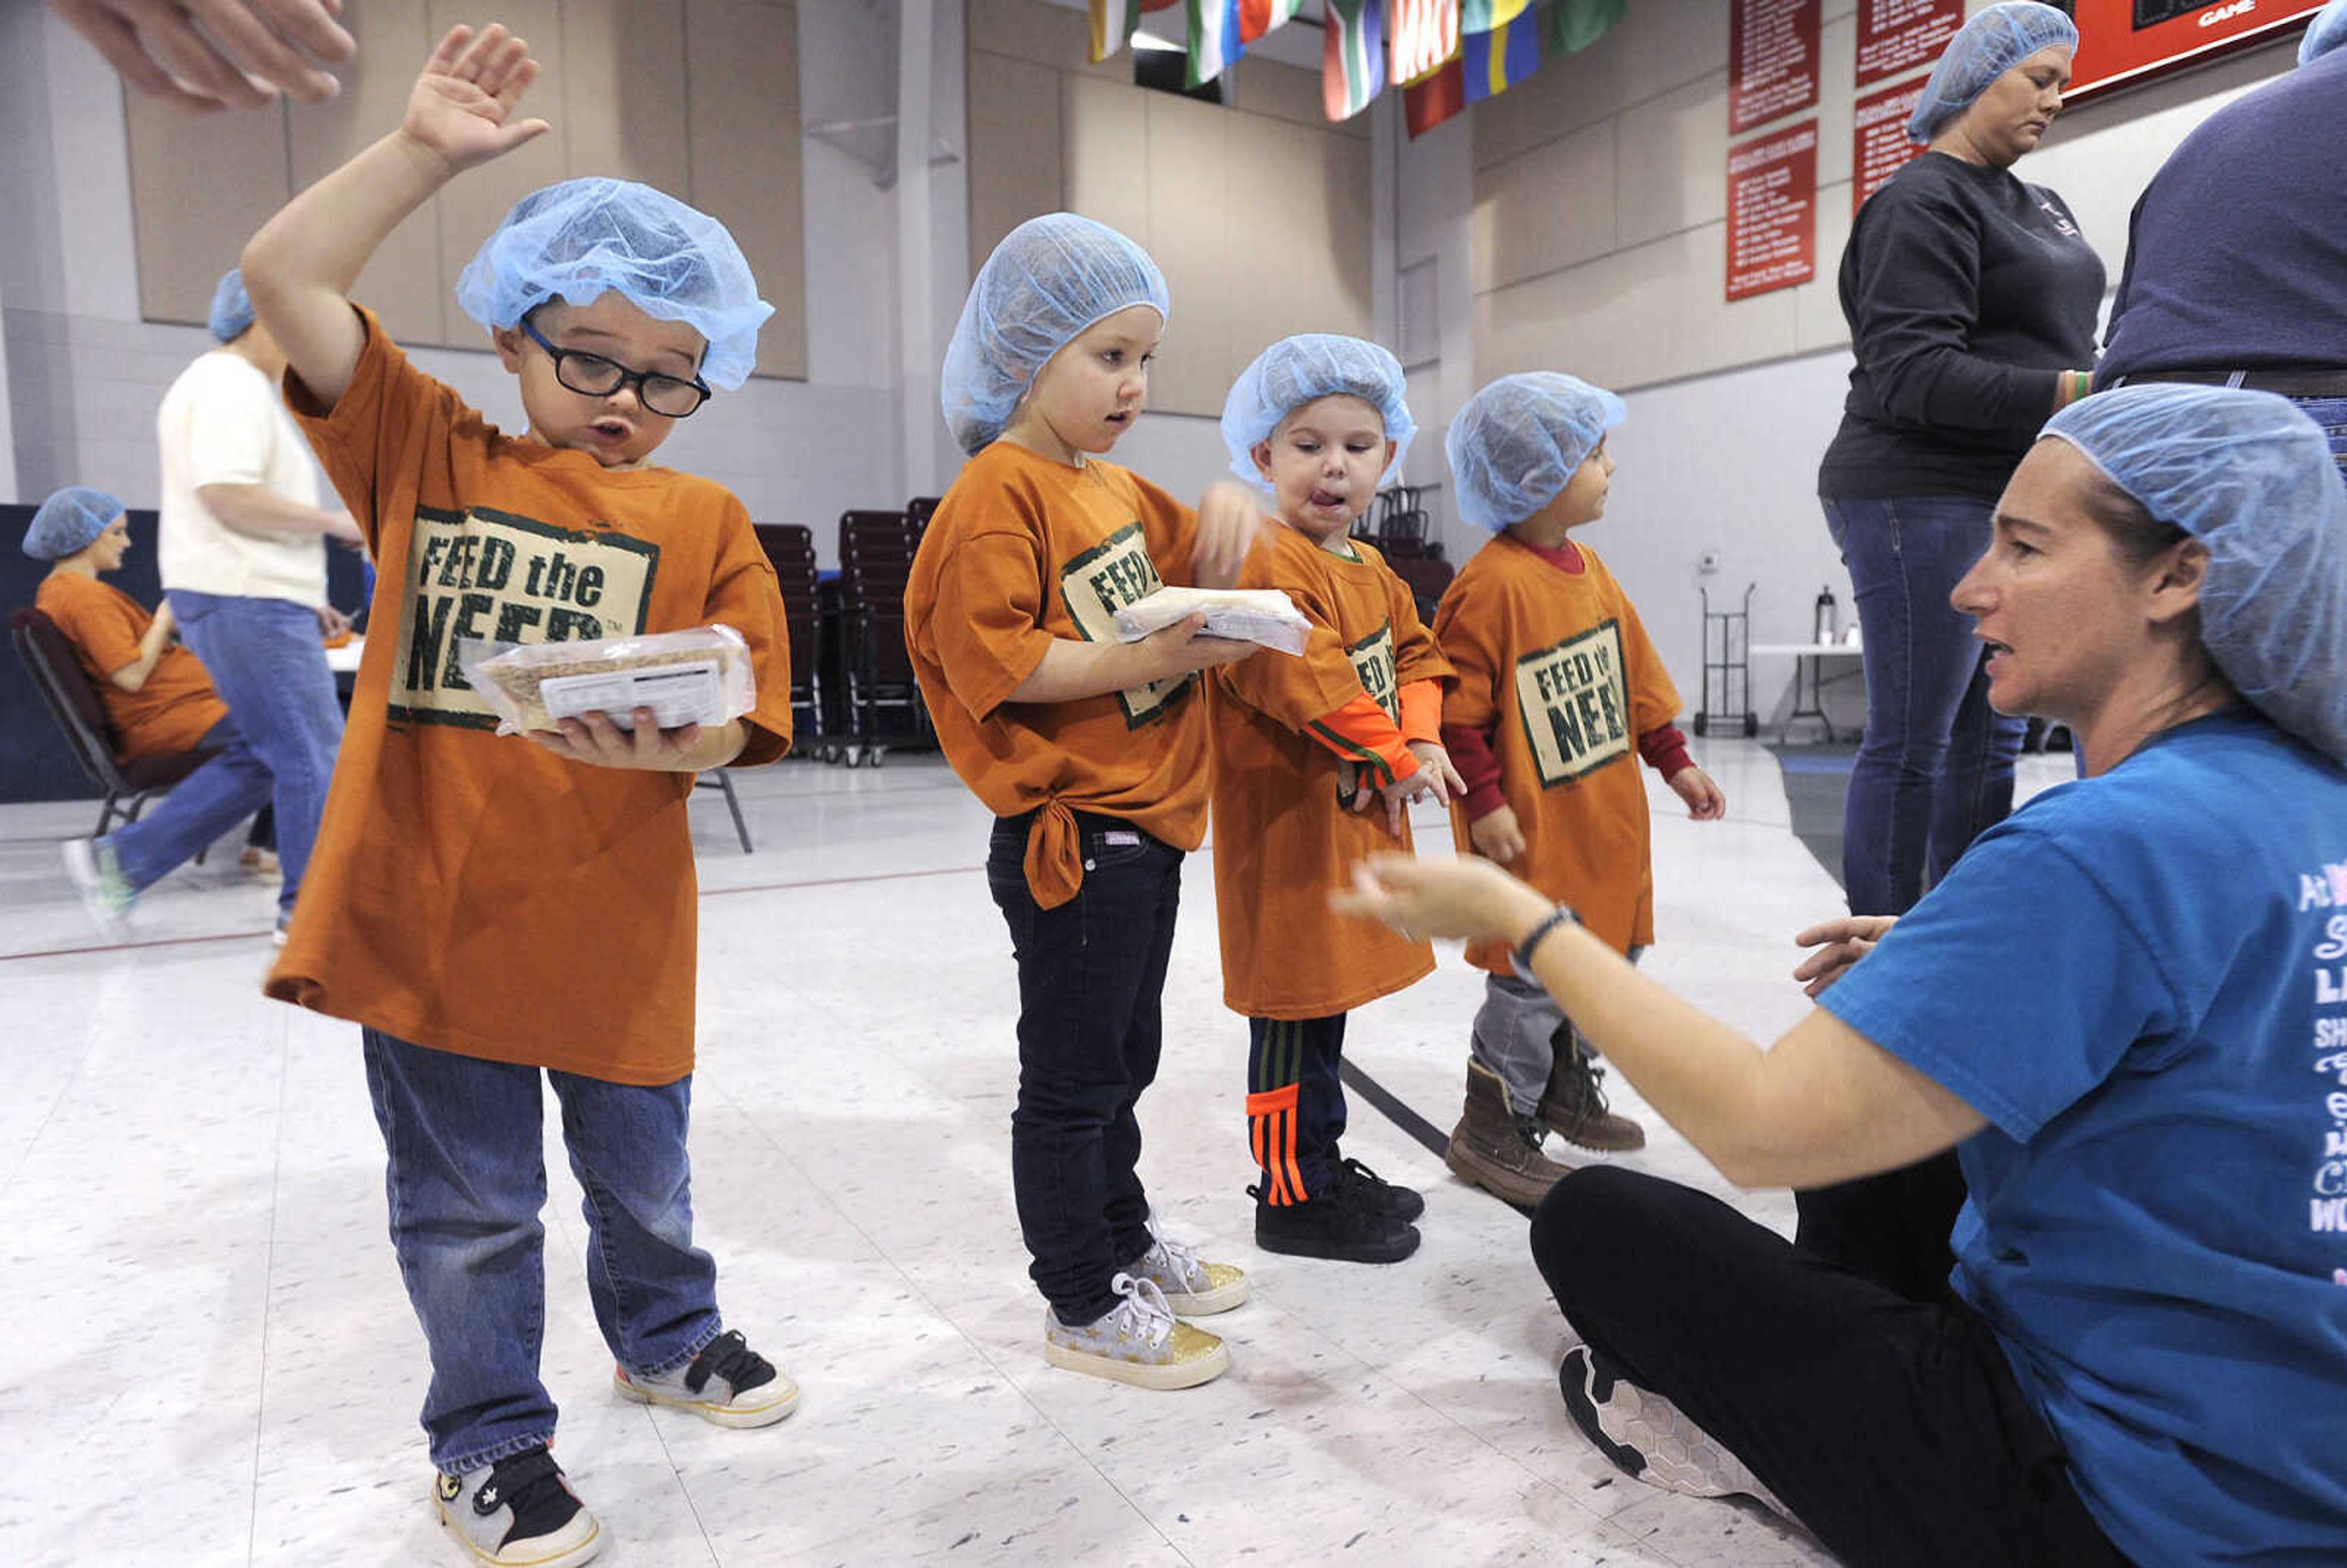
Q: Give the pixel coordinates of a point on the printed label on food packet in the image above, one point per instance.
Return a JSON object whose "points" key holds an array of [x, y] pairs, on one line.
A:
{"points": [[676, 693]]}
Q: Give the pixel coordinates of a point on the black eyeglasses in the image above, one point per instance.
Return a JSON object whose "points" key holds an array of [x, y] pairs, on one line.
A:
{"points": [[593, 375]]}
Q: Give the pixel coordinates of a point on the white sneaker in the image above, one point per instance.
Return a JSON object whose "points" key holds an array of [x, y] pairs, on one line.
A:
{"points": [[1192, 1288], [517, 1514], [1138, 1341], [1649, 1439], [106, 894], [727, 1384]]}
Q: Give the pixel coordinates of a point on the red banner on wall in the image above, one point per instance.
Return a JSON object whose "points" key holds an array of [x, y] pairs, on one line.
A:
{"points": [[1772, 60], [1772, 211], [2126, 41], [1895, 35], [1878, 146]]}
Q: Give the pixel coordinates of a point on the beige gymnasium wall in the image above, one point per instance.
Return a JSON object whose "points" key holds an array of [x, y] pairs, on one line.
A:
{"points": [[669, 92], [1257, 209]]}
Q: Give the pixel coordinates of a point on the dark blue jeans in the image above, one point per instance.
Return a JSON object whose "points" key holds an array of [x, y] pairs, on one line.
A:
{"points": [[467, 1178], [266, 659], [1090, 975], [232, 786], [1935, 769], [1295, 1105], [2330, 413]]}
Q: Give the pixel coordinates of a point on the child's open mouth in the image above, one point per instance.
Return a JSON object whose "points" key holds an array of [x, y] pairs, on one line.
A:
{"points": [[609, 432]]}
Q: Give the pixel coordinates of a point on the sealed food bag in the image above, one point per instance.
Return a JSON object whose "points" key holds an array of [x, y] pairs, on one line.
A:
{"points": [[1263, 615], [698, 676]]}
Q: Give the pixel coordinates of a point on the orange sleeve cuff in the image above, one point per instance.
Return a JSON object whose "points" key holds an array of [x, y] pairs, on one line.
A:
{"points": [[1362, 732], [1421, 712]]}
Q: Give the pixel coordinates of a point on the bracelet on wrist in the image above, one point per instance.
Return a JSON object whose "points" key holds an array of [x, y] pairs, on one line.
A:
{"points": [[1522, 955]]}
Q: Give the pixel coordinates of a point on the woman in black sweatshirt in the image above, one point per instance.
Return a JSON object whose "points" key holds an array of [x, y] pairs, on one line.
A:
{"points": [[1971, 299]]}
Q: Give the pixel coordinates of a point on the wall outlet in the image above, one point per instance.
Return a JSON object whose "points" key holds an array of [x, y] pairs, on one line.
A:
{"points": [[1707, 562]]}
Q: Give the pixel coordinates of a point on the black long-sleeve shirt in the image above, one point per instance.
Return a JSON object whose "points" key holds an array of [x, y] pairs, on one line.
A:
{"points": [[1967, 292]]}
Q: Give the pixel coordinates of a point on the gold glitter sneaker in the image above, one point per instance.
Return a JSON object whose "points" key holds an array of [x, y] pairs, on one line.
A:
{"points": [[1137, 1341], [1192, 1288]]}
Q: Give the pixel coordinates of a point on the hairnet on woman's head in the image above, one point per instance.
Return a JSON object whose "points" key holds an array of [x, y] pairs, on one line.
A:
{"points": [[1298, 369], [1049, 279], [69, 520], [1516, 443], [1984, 49], [231, 313], [2325, 33], [574, 240], [2252, 477]]}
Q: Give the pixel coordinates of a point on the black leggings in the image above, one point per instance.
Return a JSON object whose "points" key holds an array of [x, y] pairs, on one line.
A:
{"points": [[1893, 1427]]}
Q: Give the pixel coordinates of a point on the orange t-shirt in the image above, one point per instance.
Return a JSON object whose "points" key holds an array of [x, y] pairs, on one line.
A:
{"points": [[1556, 668], [470, 892], [178, 706], [1283, 834], [1021, 550]]}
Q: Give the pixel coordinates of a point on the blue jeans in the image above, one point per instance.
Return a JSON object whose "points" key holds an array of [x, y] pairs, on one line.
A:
{"points": [[1935, 769], [467, 1178], [2330, 413], [209, 800], [1090, 975], [270, 668]]}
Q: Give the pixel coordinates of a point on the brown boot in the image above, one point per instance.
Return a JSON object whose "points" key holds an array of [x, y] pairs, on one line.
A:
{"points": [[1573, 1104], [1496, 1149]]}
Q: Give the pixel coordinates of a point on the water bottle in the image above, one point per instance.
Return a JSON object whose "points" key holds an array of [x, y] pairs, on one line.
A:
{"points": [[1828, 621]]}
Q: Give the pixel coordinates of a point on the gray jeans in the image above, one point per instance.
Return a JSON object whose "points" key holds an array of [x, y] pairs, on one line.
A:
{"points": [[1515, 1036]]}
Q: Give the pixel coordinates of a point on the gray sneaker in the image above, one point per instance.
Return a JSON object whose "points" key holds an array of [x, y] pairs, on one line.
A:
{"points": [[1192, 1288], [106, 894], [517, 1512], [1649, 1439], [1138, 1341], [727, 1384]]}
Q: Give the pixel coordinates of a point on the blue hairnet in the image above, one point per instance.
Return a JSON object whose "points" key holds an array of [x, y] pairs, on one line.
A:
{"points": [[1049, 279], [69, 522], [2325, 33], [1295, 371], [232, 307], [2252, 477], [575, 240], [1516, 444], [1984, 49]]}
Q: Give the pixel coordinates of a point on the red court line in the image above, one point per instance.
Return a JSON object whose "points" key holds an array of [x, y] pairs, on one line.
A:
{"points": [[706, 893]]}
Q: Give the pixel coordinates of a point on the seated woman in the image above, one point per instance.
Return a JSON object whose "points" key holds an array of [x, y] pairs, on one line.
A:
{"points": [[2125, 1007], [156, 696]]}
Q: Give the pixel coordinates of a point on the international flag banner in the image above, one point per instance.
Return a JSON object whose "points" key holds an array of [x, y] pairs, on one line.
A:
{"points": [[1352, 56], [1495, 61], [1428, 102], [1258, 17], [1214, 40], [1113, 25], [1572, 25], [1482, 15], [1424, 37]]}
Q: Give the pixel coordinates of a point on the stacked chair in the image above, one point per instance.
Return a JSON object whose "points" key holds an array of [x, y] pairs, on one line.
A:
{"points": [[1399, 528], [883, 704]]}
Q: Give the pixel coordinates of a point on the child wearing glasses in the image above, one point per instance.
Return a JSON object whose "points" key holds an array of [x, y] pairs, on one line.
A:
{"points": [[462, 877]]}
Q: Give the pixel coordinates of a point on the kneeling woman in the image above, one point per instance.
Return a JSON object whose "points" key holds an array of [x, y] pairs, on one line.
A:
{"points": [[2122, 1007]]}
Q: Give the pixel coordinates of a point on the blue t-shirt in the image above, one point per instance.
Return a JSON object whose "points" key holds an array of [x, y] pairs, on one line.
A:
{"points": [[2140, 981]]}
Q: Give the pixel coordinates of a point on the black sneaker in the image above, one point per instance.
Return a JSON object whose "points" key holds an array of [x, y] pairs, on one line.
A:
{"points": [[1376, 1192], [1339, 1227], [518, 1511]]}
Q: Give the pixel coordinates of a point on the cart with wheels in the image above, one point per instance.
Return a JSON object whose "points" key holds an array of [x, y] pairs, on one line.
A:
{"points": [[1726, 667]]}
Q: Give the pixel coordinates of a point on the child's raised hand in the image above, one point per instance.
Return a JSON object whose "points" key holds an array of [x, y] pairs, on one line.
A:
{"points": [[1496, 835], [462, 106], [1706, 801], [1230, 521]]}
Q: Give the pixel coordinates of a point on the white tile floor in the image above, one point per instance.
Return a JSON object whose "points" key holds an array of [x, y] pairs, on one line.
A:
{"points": [[207, 1357]]}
